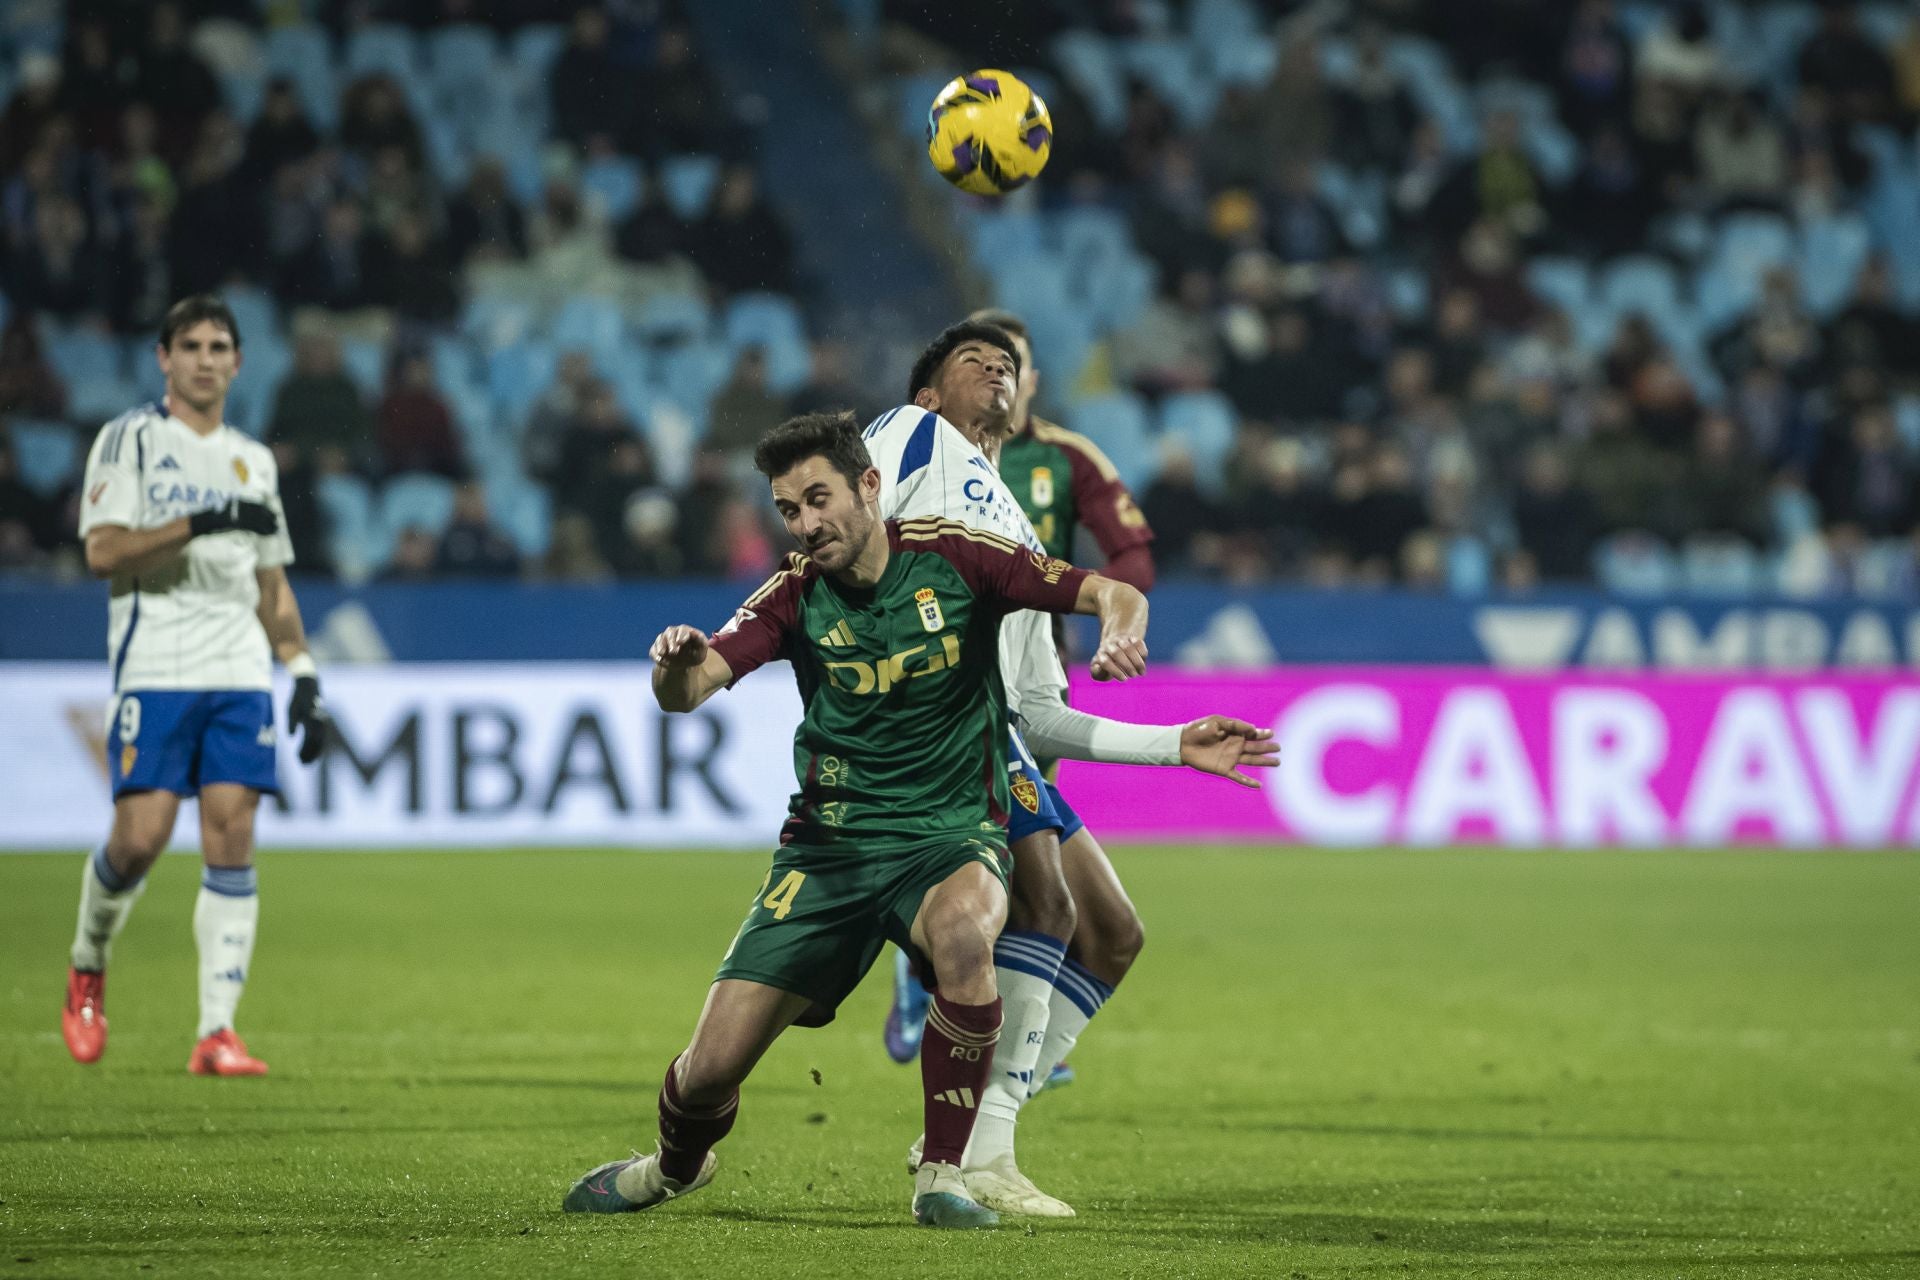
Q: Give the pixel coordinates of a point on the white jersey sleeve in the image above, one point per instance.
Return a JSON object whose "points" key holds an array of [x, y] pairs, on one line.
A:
{"points": [[928, 468], [111, 494]]}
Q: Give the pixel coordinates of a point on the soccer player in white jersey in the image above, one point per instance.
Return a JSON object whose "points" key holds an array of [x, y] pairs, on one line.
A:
{"points": [[932, 463], [182, 514]]}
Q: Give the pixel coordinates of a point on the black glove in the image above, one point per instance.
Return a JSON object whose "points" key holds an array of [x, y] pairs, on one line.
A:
{"points": [[308, 713], [236, 513]]}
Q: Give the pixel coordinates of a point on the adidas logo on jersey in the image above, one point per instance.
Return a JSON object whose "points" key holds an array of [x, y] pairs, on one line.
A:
{"points": [[958, 1097], [840, 636], [166, 464]]}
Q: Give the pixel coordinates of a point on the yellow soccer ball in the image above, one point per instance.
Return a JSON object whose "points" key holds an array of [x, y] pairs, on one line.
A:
{"points": [[988, 133]]}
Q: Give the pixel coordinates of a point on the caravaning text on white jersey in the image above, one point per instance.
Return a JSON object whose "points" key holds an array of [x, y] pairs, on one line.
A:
{"points": [[190, 623], [928, 468]]}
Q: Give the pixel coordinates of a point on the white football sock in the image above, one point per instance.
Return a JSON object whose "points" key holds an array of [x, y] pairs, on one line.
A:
{"points": [[1077, 996], [106, 899], [224, 921], [1024, 965]]}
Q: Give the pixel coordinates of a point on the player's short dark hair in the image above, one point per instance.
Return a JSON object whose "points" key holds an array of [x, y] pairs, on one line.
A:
{"points": [[833, 436], [1000, 319], [951, 339], [190, 311]]}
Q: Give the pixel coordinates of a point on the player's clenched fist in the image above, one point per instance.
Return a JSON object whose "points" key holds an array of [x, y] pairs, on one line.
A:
{"points": [[680, 646], [1119, 658]]}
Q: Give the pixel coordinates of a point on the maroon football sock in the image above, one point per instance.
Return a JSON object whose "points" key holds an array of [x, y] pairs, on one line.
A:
{"points": [[688, 1133], [955, 1057]]}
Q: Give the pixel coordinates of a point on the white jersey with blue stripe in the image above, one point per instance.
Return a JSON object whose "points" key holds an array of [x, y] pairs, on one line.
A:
{"points": [[190, 622], [928, 468]]}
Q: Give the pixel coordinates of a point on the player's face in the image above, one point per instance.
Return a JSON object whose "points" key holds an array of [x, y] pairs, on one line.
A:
{"points": [[200, 365], [833, 521], [977, 385]]}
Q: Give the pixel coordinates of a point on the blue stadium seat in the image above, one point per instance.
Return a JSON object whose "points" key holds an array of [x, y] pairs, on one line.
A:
{"points": [[473, 415], [461, 61], [916, 95], [1086, 236], [690, 375], [99, 385], [1117, 422], [614, 183], [522, 510], [366, 364], [1794, 513], [1906, 416], [1204, 421], [1005, 236], [1720, 567], [415, 501], [1469, 565], [303, 54], [1408, 292], [254, 310], [772, 323], [1062, 339], [672, 317], [1088, 60], [447, 153], [48, 454], [1832, 251], [517, 376], [455, 367], [535, 47], [1634, 564], [688, 182], [382, 47], [1176, 74], [593, 325], [494, 322], [346, 504], [1564, 282], [1643, 284], [250, 398], [243, 93], [1120, 291]]}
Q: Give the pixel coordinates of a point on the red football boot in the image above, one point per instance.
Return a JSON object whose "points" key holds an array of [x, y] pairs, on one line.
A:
{"points": [[84, 1020], [224, 1054]]}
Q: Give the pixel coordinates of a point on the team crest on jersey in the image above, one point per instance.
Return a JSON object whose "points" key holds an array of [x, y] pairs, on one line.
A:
{"points": [[1027, 794], [1050, 566], [127, 756], [1041, 487], [930, 616], [240, 469]]}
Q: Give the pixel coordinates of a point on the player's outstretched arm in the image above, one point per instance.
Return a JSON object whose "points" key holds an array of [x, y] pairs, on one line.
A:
{"points": [[1123, 627], [686, 669], [1222, 746], [113, 548]]}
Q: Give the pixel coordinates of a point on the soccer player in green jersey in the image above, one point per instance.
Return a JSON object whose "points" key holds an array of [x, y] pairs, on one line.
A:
{"points": [[897, 830]]}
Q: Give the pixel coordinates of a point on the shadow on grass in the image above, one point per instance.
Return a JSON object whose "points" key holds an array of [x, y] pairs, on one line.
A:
{"points": [[1430, 1134]]}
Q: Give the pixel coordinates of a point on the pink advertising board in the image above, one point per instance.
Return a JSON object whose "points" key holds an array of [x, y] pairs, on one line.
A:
{"points": [[1424, 756]]}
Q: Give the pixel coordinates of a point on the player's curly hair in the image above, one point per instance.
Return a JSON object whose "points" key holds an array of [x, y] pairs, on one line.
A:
{"points": [[951, 339], [190, 311], [833, 436]]}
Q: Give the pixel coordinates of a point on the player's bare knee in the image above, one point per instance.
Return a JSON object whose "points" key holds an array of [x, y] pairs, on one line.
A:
{"points": [[1110, 949], [1044, 906]]}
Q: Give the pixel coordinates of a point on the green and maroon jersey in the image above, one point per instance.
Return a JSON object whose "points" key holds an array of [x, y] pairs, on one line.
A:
{"points": [[1063, 481], [904, 738]]}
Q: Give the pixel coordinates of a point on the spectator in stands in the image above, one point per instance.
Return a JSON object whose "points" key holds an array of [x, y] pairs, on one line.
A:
{"points": [[1905, 60], [1726, 489], [280, 134], [646, 543], [1608, 207], [139, 274], [1372, 108], [742, 244], [1499, 183], [300, 500], [471, 547], [1841, 62], [1301, 225], [1872, 330], [1173, 346], [483, 223], [1295, 114], [172, 78], [95, 83], [588, 443], [415, 558], [35, 103], [1679, 57], [572, 250], [1170, 216], [374, 116], [136, 167], [396, 189], [318, 410], [415, 430], [26, 518], [1864, 476], [1278, 507], [652, 232], [745, 408], [831, 385], [57, 273], [571, 555], [1181, 516], [28, 384], [1630, 481], [1418, 195], [1595, 70], [677, 109], [1740, 154], [217, 234], [412, 272], [337, 271], [1555, 521], [554, 415], [590, 93]]}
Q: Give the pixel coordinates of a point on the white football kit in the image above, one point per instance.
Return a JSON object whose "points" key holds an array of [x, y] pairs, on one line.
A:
{"points": [[191, 624], [928, 468]]}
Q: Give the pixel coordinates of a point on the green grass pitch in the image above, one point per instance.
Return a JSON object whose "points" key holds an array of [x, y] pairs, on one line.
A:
{"points": [[1327, 1064]]}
